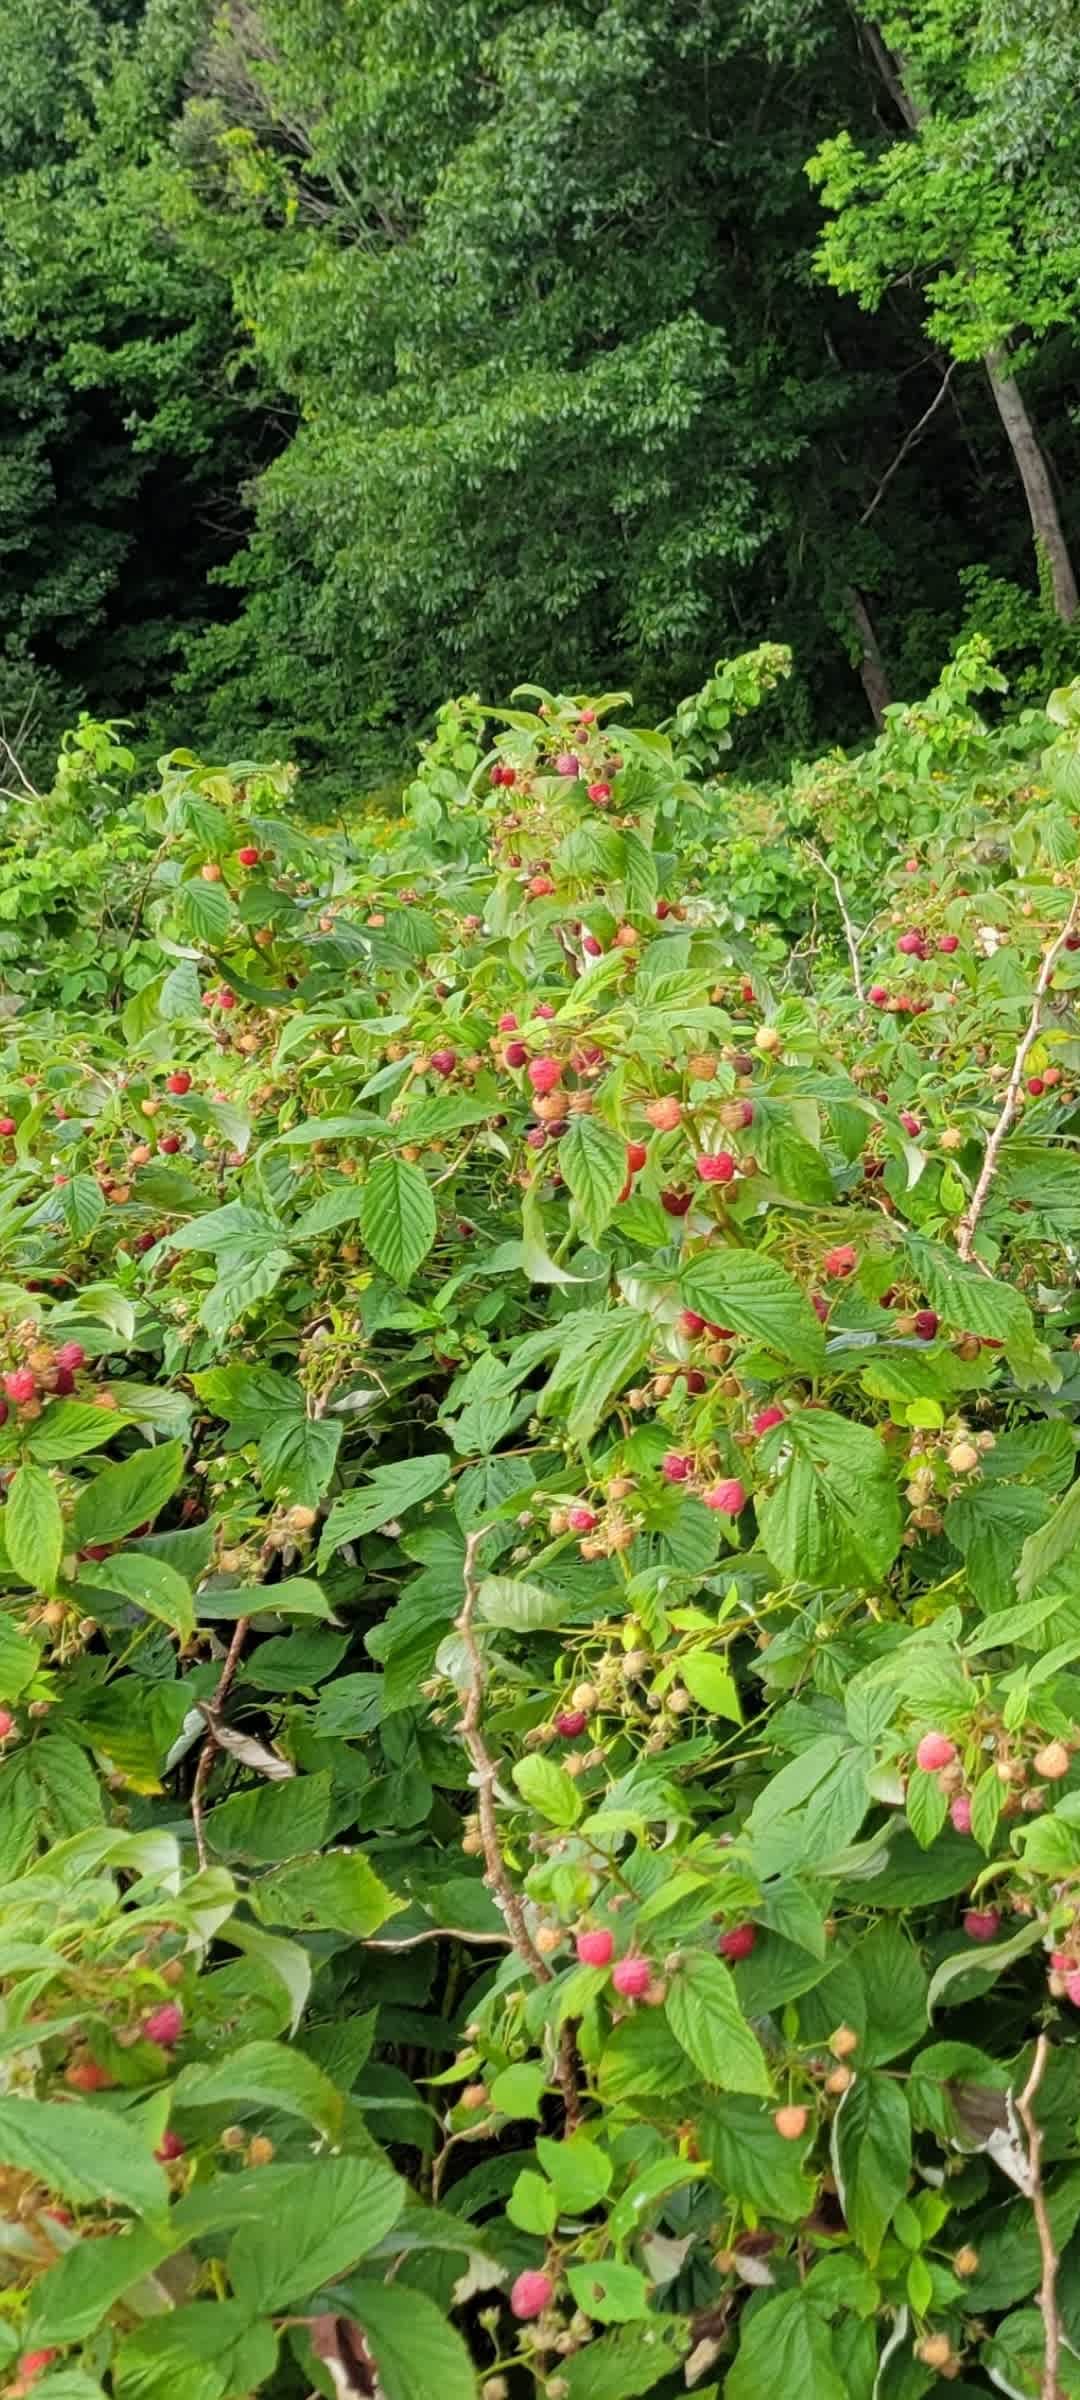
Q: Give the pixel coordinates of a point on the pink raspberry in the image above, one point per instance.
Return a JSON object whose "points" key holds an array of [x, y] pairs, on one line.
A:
{"points": [[738, 1941], [960, 1813], [632, 1977], [572, 1722], [935, 1750], [582, 1519], [981, 1924], [766, 1418], [531, 2293], [716, 1166], [165, 2024], [169, 2147], [1072, 1987], [727, 1498], [595, 1949], [544, 1074], [675, 1467]]}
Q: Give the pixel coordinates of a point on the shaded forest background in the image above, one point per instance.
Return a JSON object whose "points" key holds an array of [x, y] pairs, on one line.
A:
{"points": [[357, 351]]}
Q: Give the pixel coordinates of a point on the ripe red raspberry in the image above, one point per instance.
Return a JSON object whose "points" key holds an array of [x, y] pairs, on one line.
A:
{"points": [[544, 1074], [7, 1723], [71, 1356], [165, 2024], [508, 1022], [248, 856], [766, 1418], [7, 1125], [515, 1054], [675, 1467], [572, 1722], [225, 998], [531, 2293], [179, 1082], [169, 2147], [840, 1261], [1036, 1086], [727, 1498], [878, 996], [33, 2363], [581, 1519], [632, 1977], [545, 1009], [927, 1321], [170, 1143], [591, 947], [600, 794], [948, 942], [738, 1941], [636, 1157], [981, 1924], [960, 1813], [935, 1750], [443, 1061], [21, 1385], [677, 1204], [716, 1166], [911, 945], [595, 1949], [691, 1323], [910, 1123]]}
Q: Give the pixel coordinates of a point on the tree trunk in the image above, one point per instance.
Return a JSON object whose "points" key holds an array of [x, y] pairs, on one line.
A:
{"points": [[872, 675], [1050, 544], [1051, 548]]}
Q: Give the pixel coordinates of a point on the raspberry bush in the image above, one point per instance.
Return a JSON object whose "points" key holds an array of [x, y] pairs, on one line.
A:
{"points": [[540, 1659]]}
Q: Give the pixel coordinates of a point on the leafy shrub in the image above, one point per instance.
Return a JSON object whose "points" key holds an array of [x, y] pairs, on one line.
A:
{"points": [[539, 1806]]}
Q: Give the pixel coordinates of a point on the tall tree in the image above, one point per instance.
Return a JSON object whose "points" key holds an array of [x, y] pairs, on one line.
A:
{"points": [[938, 203]]}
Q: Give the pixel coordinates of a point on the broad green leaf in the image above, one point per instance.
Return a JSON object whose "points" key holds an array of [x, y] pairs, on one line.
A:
{"points": [[327, 2217], [73, 2297], [620, 2366], [548, 1788], [337, 1892], [705, 2017], [33, 1528], [203, 2349], [390, 1492], [785, 2347], [532, 2205], [397, 1216], [18, 1660], [1055, 1544], [517, 2091], [265, 2073], [758, 1299], [69, 1428], [518, 1607], [592, 1160], [968, 1300], [708, 1678], [834, 1516], [83, 1204], [609, 2292], [981, 1958], [132, 1493], [871, 2157], [146, 1582], [85, 2154], [579, 2170], [417, 2354], [894, 1987]]}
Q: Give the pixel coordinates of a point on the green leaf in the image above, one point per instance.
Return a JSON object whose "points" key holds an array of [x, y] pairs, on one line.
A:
{"points": [[592, 1160], [895, 1987], [418, 2356], [579, 2170], [72, 2298], [982, 1958], [548, 1788], [132, 1493], [609, 2293], [967, 1299], [267, 2073], [389, 1492], [785, 2347], [205, 2350], [33, 1528], [620, 2366], [205, 911], [338, 1892], [599, 1352], [147, 1582], [69, 1428], [751, 2161], [872, 2157], [85, 2154], [1053, 1545], [927, 1806], [834, 1516], [397, 1216], [519, 2089], [315, 2224], [83, 1204], [759, 1300], [704, 2015], [532, 2205], [18, 1661], [709, 1680], [518, 1607]]}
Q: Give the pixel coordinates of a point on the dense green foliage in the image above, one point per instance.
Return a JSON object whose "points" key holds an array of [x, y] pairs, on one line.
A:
{"points": [[540, 1753], [358, 349]]}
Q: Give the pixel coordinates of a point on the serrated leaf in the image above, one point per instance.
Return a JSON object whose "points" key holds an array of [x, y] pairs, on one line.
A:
{"points": [[313, 2227], [703, 2012], [397, 1216], [389, 1492], [129, 1494], [592, 1160], [871, 2157], [33, 1528], [518, 1607], [417, 2354], [785, 2346], [834, 1516], [148, 1583], [759, 1300], [1051, 1546], [85, 2154], [265, 2073], [83, 1204], [338, 1892]]}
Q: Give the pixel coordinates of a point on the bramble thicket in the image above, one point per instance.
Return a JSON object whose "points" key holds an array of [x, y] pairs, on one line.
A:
{"points": [[540, 1781]]}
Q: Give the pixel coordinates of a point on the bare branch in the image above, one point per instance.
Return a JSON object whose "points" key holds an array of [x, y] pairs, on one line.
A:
{"points": [[507, 1899], [965, 1233], [909, 442], [206, 1754], [445, 1933], [852, 938], [1047, 2296], [29, 788]]}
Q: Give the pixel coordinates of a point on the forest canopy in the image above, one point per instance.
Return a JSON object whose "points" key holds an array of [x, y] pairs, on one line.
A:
{"points": [[358, 350]]}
